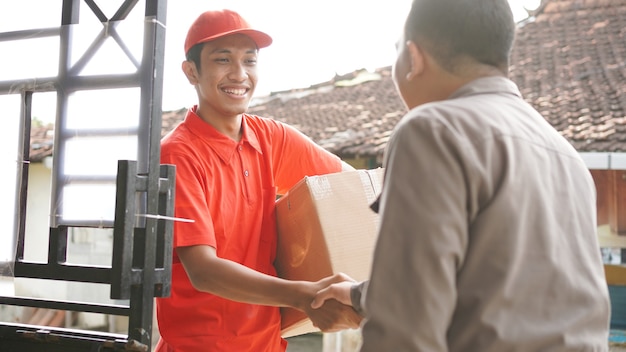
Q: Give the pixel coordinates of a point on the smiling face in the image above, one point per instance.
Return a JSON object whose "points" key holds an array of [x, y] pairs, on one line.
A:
{"points": [[227, 77]]}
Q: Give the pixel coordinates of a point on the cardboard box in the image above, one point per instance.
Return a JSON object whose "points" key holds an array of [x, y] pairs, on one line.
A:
{"points": [[325, 226]]}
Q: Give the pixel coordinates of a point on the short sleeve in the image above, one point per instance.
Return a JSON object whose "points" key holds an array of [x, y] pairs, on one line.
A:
{"points": [[190, 203], [296, 156]]}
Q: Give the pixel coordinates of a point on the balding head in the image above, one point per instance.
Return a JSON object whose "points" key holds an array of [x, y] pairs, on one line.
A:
{"points": [[460, 33]]}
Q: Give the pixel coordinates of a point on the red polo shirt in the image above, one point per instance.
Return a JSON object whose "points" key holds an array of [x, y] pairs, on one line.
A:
{"points": [[229, 189]]}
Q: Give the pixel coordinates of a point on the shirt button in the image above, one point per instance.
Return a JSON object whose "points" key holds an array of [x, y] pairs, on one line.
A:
{"points": [[245, 173], [240, 148]]}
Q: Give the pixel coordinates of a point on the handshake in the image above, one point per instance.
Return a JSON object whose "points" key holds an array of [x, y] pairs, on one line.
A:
{"points": [[329, 305]]}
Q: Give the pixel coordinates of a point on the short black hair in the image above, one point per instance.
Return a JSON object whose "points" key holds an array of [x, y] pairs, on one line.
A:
{"points": [[453, 31], [193, 55]]}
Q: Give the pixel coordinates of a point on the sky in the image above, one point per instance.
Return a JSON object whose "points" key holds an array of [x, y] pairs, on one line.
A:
{"points": [[313, 40]]}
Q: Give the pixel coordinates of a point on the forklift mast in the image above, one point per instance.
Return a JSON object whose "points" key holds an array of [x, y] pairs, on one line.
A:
{"points": [[142, 219]]}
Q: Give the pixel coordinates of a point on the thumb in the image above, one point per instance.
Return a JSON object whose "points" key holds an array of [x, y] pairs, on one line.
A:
{"points": [[320, 298]]}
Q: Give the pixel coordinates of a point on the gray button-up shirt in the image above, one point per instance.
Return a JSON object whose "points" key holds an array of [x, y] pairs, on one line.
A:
{"points": [[487, 235]]}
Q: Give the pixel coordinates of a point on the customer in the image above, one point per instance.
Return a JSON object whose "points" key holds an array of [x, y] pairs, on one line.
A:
{"points": [[230, 166], [487, 235]]}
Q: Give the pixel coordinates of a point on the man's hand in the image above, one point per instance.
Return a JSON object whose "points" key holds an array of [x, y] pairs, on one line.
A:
{"points": [[329, 314], [334, 316], [339, 291]]}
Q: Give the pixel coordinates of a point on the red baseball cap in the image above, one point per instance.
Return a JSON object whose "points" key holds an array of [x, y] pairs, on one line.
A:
{"points": [[211, 25]]}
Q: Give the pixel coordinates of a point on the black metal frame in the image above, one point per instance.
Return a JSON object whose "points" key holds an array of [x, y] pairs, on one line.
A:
{"points": [[142, 228]]}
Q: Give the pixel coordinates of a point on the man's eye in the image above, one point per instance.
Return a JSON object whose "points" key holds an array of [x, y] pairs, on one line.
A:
{"points": [[221, 59], [251, 62]]}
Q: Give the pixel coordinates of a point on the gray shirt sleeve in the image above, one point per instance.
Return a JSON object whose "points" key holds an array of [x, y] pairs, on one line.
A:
{"points": [[357, 297]]}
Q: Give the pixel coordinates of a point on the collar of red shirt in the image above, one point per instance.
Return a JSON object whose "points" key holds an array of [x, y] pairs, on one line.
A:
{"points": [[223, 146]]}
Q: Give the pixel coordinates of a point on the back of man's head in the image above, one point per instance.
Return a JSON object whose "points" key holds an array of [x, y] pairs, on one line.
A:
{"points": [[460, 33]]}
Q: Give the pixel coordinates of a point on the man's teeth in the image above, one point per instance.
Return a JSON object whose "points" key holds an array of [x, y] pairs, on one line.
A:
{"points": [[235, 91]]}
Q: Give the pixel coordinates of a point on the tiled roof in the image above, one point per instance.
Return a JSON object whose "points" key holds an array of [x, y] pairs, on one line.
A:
{"points": [[569, 62], [171, 119], [352, 115]]}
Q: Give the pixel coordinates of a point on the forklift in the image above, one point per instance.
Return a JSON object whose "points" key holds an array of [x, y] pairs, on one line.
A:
{"points": [[141, 200]]}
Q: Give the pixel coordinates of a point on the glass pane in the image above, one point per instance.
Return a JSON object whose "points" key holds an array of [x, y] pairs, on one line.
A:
{"points": [[83, 202], [120, 43], [109, 59], [39, 177], [10, 107], [44, 109], [104, 109], [23, 59], [30, 14], [37, 212], [97, 156], [90, 246]]}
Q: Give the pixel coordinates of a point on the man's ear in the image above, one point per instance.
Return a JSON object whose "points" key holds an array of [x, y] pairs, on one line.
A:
{"points": [[189, 68], [416, 56]]}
